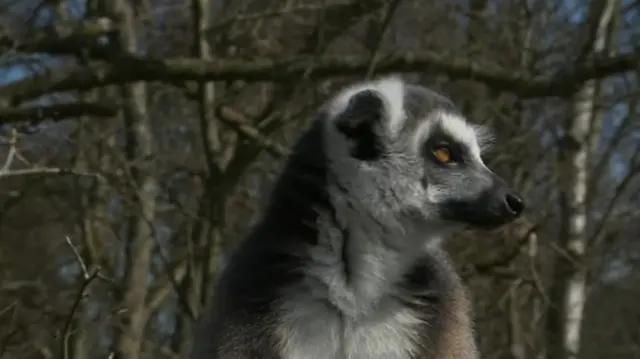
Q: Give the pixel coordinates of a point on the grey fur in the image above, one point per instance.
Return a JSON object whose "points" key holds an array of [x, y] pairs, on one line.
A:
{"points": [[345, 263]]}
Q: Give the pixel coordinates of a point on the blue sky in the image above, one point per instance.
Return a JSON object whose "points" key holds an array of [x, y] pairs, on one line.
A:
{"points": [[8, 75]]}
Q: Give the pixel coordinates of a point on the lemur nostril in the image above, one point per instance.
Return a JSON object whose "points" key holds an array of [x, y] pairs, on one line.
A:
{"points": [[514, 203]]}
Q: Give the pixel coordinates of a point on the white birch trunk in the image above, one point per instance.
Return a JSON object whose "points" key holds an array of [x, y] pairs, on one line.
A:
{"points": [[568, 291]]}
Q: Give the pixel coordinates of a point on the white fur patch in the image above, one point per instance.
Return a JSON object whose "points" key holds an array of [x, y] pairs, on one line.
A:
{"points": [[485, 136], [455, 126], [435, 194], [312, 330], [391, 89], [461, 131]]}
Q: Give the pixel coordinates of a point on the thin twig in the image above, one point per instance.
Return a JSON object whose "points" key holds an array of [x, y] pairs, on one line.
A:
{"points": [[83, 266], [66, 334], [46, 170], [12, 151], [386, 22]]}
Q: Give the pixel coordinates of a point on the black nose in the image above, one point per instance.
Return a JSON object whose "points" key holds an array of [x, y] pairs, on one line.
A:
{"points": [[514, 205]]}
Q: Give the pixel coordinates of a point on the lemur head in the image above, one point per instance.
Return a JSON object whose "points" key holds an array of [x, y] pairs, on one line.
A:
{"points": [[407, 153]]}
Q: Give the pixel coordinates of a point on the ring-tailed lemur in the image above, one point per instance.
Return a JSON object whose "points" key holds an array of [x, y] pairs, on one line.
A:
{"points": [[344, 263]]}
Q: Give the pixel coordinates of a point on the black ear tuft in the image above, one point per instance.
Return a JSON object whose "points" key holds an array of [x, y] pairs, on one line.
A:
{"points": [[361, 123]]}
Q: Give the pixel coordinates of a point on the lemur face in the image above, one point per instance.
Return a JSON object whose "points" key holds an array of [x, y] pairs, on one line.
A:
{"points": [[408, 152], [458, 184]]}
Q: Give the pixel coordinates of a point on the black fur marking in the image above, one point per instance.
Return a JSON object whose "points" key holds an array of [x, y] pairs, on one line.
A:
{"points": [[361, 122], [491, 209], [263, 265], [437, 138], [346, 235]]}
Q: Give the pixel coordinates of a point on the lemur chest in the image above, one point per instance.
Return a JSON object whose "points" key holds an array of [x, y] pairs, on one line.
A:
{"points": [[315, 331]]}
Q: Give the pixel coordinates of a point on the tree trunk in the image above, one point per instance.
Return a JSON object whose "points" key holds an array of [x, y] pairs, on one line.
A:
{"points": [[138, 241], [568, 289], [204, 238]]}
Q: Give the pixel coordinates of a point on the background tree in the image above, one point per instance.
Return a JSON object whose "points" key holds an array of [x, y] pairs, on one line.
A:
{"points": [[139, 139]]}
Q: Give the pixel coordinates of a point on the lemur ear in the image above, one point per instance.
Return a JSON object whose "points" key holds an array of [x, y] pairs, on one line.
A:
{"points": [[361, 122]]}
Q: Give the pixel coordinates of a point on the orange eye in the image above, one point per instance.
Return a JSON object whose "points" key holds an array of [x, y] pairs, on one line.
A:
{"points": [[442, 154]]}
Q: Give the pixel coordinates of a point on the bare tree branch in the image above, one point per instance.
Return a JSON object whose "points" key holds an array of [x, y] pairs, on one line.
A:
{"points": [[69, 40], [55, 112], [239, 123], [131, 68], [175, 275]]}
